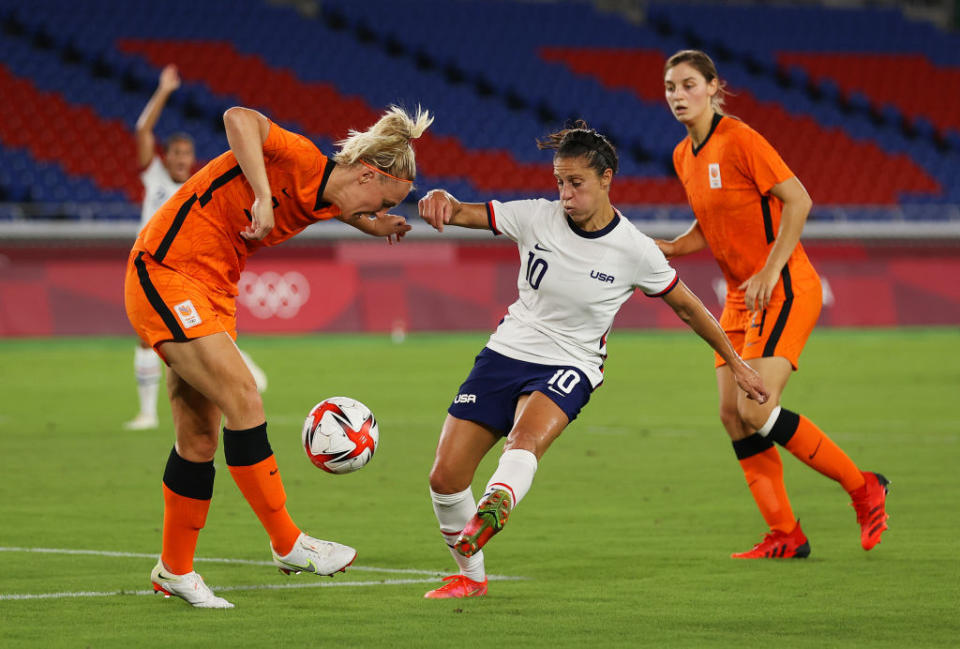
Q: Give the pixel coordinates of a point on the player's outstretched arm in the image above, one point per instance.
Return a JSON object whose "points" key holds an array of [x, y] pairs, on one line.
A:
{"points": [[247, 130], [439, 208], [391, 226], [146, 143], [689, 242], [690, 309]]}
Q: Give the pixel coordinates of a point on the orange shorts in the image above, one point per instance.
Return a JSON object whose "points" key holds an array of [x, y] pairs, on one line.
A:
{"points": [[164, 305], [781, 329]]}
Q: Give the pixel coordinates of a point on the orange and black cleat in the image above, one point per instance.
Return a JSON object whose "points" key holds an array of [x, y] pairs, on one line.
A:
{"points": [[779, 545], [870, 502]]}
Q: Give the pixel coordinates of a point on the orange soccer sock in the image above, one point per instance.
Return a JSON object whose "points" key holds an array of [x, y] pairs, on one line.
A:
{"points": [[254, 469], [811, 446], [187, 489], [763, 470]]}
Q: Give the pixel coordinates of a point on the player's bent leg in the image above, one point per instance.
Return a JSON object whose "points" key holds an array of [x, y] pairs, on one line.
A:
{"points": [[196, 420], [214, 367], [462, 446], [758, 458], [808, 443], [539, 422], [187, 490]]}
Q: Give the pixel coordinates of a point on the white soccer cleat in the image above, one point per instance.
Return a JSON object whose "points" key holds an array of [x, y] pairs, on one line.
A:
{"points": [[189, 587], [316, 556], [259, 376], [142, 421]]}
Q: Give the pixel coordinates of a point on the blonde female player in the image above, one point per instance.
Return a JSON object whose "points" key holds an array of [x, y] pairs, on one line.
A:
{"points": [[750, 210], [581, 260], [181, 289], [161, 178]]}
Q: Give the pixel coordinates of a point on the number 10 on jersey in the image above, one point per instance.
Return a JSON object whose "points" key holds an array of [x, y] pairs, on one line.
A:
{"points": [[536, 269]]}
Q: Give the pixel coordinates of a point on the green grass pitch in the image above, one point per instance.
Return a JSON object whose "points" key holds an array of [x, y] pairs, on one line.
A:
{"points": [[622, 542]]}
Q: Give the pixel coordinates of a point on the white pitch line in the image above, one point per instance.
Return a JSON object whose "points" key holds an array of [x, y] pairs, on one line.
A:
{"points": [[248, 562], [432, 574], [222, 589]]}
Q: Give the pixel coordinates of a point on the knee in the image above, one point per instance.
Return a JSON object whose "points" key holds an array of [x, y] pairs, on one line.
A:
{"points": [[198, 448], [730, 418], [523, 438], [244, 404], [445, 481], [753, 415]]}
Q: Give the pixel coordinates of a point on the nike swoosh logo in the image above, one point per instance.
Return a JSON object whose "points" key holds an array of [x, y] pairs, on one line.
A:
{"points": [[810, 457], [274, 472], [309, 566], [541, 248]]}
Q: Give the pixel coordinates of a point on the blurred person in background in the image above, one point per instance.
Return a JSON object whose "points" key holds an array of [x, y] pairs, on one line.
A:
{"points": [[161, 178], [750, 210]]}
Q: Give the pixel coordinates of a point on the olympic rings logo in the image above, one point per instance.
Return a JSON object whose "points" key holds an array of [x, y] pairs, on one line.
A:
{"points": [[272, 294]]}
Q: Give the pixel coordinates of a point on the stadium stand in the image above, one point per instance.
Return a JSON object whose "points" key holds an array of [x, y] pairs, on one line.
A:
{"points": [[846, 95]]}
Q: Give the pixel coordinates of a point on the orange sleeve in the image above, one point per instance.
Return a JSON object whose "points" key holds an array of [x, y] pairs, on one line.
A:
{"points": [[761, 162], [286, 147]]}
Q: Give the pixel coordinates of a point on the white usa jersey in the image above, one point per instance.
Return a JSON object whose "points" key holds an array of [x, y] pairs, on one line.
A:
{"points": [[571, 284], [158, 187]]}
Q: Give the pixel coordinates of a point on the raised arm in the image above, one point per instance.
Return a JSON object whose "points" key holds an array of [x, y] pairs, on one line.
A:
{"points": [[796, 206], [247, 130], [690, 309], [146, 142], [690, 241], [439, 208]]}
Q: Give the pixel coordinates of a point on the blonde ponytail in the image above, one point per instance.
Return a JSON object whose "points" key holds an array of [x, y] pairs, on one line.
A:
{"points": [[386, 144]]}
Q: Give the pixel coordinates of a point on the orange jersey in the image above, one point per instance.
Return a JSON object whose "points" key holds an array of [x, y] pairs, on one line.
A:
{"points": [[197, 231], [728, 181]]}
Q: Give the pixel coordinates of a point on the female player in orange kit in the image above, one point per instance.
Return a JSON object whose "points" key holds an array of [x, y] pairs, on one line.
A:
{"points": [[180, 293], [750, 210]]}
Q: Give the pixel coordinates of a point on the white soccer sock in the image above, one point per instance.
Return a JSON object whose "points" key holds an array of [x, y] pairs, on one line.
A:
{"points": [[453, 511], [515, 472], [146, 367]]}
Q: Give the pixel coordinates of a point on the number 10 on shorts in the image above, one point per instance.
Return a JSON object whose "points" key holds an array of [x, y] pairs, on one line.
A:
{"points": [[563, 381]]}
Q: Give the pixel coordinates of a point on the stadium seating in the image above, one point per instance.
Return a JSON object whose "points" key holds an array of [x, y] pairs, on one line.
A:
{"points": [[855, 115]]}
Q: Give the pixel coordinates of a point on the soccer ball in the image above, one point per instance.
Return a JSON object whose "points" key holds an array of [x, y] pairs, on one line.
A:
{"points": [[340, 435]]}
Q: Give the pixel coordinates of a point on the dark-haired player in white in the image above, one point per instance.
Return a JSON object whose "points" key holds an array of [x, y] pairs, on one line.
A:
{"points": [[580, 261]]}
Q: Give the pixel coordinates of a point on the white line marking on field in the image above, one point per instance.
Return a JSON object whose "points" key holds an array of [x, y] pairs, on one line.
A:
{"points": [[248, 562], [431, 575]]}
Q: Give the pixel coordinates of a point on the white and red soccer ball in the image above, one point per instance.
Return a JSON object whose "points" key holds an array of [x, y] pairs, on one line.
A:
{"points": [[340, 435]]}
